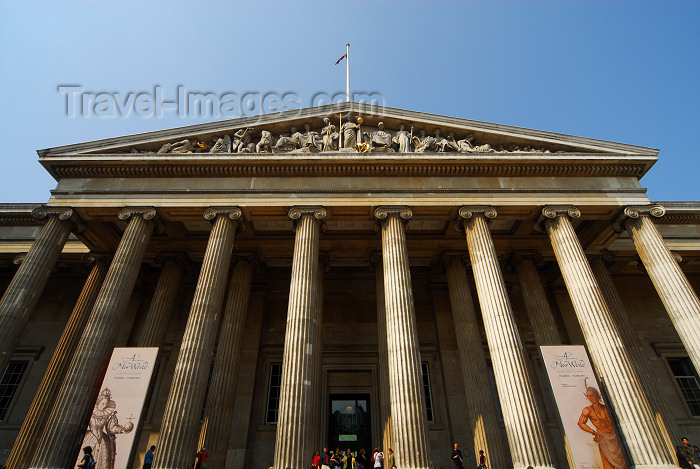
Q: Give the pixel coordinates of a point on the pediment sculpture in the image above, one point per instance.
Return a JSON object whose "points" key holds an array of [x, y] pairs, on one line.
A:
{"points": [[347, 137]]}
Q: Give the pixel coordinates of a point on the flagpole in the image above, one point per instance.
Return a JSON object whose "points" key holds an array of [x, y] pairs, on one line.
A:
{"points": [[347, 72]]}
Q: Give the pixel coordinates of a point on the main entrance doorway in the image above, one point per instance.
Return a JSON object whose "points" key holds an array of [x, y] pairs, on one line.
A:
{"points": [[350, 425]]}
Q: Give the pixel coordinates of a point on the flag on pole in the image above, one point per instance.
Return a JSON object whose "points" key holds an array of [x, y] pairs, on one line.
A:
{"points": [[341, 58]]}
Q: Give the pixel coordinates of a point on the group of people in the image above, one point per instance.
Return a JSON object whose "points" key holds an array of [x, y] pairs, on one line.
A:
{"points": [[350, 459], [688, 456], [458, 459]]}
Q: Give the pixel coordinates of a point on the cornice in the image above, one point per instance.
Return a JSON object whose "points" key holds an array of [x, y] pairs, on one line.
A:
{"points": [[679, 213], [344, 165], [374, 190]]}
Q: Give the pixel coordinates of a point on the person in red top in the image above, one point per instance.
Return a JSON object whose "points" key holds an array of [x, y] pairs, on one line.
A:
{"points": [[316, 460], [201, 458]]}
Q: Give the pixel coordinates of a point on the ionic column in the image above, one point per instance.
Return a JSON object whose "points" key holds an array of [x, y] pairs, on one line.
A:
{"points": [[222, 391], [663, 413], [65, 428], [408, 418], [294, 441], [612, 362], [524, 426], [671, 284], [181, 420], [383, 368], [27, 440], [156, 324], [22, 294], [540, 314], [483, 417]]}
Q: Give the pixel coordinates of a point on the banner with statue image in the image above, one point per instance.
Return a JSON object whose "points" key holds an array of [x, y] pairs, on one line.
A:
{"points": [[118, 407], [586, 418]]}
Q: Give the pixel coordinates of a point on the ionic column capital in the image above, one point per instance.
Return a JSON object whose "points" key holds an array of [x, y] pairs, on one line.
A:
{"points": [[147, 213], [550, 212], [384, 211], [317, 212], [212, 213], [468, 212], [519, 256], [636, 211], [608, 257], [90, 258], [447, 257], [62, 213]]}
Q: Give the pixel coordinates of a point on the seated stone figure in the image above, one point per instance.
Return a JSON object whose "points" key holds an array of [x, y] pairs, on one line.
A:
{"points": [[380, 140], [311, 139], [288, 142], [425, 143]]}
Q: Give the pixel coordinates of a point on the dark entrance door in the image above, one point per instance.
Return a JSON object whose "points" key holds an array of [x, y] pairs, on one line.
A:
{"points": [[350, 425]]}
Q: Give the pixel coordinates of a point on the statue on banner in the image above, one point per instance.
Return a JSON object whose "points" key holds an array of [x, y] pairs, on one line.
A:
{"points": [[103, 430], [604, 433]]}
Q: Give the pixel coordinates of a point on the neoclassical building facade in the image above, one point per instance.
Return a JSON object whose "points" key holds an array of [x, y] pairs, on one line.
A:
{"points": [[381, 278]]}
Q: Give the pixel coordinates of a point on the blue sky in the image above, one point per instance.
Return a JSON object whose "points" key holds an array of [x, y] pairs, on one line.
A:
{"points": [[616, 70]]}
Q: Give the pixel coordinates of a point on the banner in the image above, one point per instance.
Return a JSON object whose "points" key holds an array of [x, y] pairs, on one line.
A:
{"points": [[587, 420], [118, 407]]}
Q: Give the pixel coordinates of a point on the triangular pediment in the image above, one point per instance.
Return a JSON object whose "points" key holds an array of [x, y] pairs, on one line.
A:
{"points": [[306, 131]]}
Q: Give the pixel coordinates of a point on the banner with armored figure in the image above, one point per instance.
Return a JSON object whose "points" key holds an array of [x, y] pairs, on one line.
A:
{"points": [[118, 407], [588, 421]]}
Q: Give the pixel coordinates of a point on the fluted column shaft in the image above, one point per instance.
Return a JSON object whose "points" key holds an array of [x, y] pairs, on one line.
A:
{"points": [[383, 368], [663, 413], [27, 440], [541, 318], [155, 326], [524, 424], [27, 285], [222, 391], [181, 420], [294, 441], [408, 415], [64, 430], [611, 359], [671, 284], [483, 417], [318, 439]]}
